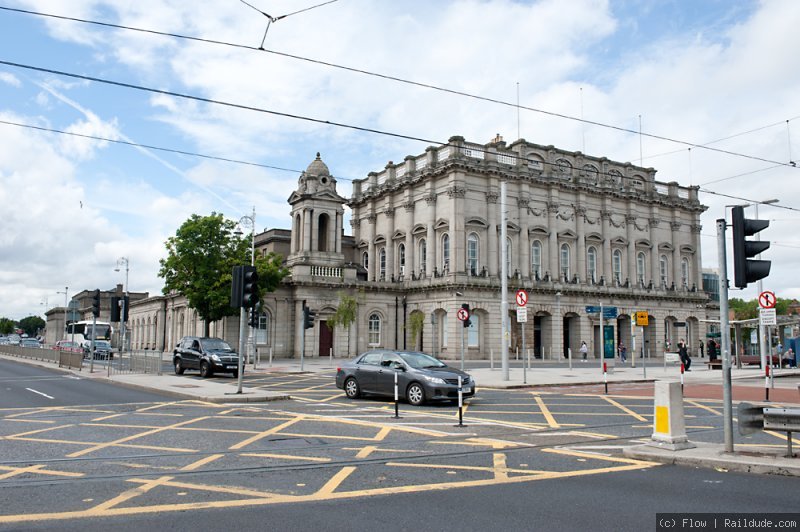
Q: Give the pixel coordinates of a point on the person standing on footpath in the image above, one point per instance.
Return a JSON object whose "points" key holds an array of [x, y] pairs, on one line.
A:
{"points": [[623, 352], [584, 350], [683, 352], [701, 349]]}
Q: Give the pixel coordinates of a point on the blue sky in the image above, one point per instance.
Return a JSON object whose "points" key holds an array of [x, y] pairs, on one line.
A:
{"points": [[694, 71]]}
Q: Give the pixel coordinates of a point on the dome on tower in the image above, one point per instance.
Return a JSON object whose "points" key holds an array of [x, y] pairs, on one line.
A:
{"points": [[317, 168]]}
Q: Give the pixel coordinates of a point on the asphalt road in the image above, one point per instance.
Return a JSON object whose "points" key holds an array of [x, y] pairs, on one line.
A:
{"points": [[23, 386], [526, 460]]}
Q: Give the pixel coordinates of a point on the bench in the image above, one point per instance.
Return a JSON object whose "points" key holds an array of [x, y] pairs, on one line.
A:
{"points": [[714, 364]]}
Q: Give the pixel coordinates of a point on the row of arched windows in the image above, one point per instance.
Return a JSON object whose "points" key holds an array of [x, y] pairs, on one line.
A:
{"points": [[473, 261]]}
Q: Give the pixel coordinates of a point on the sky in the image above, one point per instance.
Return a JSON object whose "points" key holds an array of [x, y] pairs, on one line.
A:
{"points": [[721, 75]]}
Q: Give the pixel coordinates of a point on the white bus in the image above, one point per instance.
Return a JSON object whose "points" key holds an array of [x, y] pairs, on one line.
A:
{"points": [[81, 332]]}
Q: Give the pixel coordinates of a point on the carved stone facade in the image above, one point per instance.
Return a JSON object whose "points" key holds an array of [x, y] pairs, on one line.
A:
{"points": [[581, 231]]}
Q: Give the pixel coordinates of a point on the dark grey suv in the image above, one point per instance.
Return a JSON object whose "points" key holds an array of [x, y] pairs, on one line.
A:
{"points": [[420, 377], [209, 355]]}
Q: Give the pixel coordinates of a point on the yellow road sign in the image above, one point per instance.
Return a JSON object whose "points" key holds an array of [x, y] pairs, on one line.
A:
{"points": [[641, 318]]}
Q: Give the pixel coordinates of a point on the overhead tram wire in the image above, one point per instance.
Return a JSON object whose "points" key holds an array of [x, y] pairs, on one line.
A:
{"points": [[400, 80], [285, 115]]}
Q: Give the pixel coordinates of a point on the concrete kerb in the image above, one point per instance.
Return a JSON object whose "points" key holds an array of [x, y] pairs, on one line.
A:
{"points": [[713, 456]]}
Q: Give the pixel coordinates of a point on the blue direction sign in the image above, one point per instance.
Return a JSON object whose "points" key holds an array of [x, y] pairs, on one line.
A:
{"points": [[608, 312]]}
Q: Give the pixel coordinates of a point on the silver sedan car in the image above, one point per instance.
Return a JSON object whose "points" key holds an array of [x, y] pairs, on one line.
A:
{"points": [[420, 377]]}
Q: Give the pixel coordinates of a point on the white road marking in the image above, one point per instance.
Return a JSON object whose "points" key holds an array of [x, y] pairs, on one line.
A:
{"points": [[40, 393]]}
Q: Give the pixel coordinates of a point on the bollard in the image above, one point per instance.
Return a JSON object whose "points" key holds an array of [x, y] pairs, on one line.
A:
{"points": [[270, 357], [766, 382], [330, 356], [669, 426], [396, 398], [491, 359], [569, 356], [605, 377], [682, 370], [460, 404], [516, 355]]}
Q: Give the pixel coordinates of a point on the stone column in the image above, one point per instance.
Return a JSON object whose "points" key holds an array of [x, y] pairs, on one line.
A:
{"points": [[411, 252], [524, 252], [298, 328], [307, 229], [605, 215], [390, 269], [430, 240], [580, 230], [373, 257], [552, 241], [676, 254], [491, 255], [655, 272], [631, 251], [696, 275]]}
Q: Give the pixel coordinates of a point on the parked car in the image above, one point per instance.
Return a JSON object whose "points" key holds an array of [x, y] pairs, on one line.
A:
{"points": [[30, 342], [102, 349], [66, 345], [209, 355], [420, 377]]}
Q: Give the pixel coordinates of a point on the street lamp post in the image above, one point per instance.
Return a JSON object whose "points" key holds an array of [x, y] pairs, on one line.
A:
{"points": [[124, 309], [64, 331], [249, 221]]}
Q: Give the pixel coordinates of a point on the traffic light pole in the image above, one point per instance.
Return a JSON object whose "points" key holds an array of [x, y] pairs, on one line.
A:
{"points": [[762, 338], [242, 346], [725, 331]]}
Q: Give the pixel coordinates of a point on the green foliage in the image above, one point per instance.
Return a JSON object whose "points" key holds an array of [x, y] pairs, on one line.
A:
{"points": [[200, 261], [32, 325], [346, 313], [748, 310], [7, 326], [415, 324]]}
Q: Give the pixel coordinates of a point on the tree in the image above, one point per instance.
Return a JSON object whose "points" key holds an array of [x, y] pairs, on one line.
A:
{"points": [[32, 325], [415, 325], [345, 314], [200, 261], [7, 326]]}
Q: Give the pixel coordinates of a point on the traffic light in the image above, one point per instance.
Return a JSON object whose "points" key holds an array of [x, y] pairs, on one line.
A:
{"points": [[236, 287], [115, 307], [745, 269], [308, 317], [254, 315], [467, 322], [249, 286], [96, 303], [126, 305]]}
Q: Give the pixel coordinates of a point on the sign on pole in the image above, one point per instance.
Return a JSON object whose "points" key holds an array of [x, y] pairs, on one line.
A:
{"points": [[642, 318], [767, 316], [522, 314], [767, 299], [522, 298], [462, 314]]}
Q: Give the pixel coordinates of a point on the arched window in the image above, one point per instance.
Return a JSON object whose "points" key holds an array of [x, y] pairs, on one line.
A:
{"points": [[472, 331], [616, 262], [374, 330], [640, 265], [685, 272], [565, 262], [401, 258], [382, 262], [472, 253], [423, 257], [662, 265], [445, 252], [365, 260], [262, 333], [536, 259], [297, 233], [322, 232], [509, 262], [591, 260]]}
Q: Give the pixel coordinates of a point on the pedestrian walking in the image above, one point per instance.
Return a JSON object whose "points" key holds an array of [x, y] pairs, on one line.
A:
{"points": [[623, 352], [712, 350], [584, 350], [701, 349], [683, 352]]}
